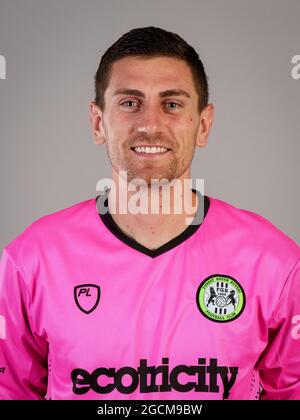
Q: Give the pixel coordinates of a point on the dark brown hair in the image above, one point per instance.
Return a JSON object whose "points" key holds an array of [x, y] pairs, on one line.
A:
{"points": [[151, 41]]}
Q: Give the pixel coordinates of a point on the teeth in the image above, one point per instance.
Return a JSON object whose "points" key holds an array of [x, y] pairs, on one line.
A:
{"points": [[150, 149]]}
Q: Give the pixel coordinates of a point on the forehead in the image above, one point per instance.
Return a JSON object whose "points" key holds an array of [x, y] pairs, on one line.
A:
{"points": [[140, 72]]}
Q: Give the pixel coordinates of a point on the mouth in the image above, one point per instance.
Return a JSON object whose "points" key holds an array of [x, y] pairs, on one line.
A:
{"points": [[150, 151]]}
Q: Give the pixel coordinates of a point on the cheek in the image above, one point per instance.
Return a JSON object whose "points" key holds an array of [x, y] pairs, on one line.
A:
{"points": [[113, 133], [121, 125], [190, 127]]}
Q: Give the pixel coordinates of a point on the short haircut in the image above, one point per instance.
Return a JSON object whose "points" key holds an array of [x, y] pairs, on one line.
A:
{"points": [[151, 42]]}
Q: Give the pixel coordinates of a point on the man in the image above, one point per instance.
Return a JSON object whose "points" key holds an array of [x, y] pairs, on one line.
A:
{"points": [[101, 303]]}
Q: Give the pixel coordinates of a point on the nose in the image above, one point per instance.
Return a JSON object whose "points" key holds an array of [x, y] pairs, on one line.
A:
{"points": [[150, 121]]}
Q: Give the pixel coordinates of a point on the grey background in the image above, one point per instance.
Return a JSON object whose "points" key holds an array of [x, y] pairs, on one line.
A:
{"points": [[52, 51]]}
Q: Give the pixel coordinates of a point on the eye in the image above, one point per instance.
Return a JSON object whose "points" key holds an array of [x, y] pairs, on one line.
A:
{"points": [[129, 104], [173, 105]]}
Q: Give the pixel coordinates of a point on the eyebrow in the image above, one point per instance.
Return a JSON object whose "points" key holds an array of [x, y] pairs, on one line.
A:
{"points": [[164, 94]]}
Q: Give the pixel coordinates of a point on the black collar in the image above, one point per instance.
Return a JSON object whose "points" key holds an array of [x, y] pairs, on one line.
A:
{"points": [[190, 230]]}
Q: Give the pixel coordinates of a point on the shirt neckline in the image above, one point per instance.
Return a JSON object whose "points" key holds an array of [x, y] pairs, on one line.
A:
{"points": [[174, 242]]}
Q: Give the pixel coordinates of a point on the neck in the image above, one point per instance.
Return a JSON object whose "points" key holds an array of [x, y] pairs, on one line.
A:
{"points": [[152, 216]]}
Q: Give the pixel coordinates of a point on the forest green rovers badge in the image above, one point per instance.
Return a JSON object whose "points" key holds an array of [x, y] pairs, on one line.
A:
{"points": [[220, 298]]}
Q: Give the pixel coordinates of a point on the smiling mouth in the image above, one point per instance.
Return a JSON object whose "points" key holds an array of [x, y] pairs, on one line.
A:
{"points": [[150, 151]]}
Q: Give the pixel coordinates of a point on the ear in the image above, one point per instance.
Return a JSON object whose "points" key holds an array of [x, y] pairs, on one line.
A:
{"points": [[97, 123], [206, 121]]}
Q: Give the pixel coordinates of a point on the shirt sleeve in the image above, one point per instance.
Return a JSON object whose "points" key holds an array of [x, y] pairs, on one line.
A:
{"points": [[279, 366], [23, 354]]}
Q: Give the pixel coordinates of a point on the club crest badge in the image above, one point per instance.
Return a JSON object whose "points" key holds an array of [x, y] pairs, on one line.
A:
{"points": [[220, 298]]}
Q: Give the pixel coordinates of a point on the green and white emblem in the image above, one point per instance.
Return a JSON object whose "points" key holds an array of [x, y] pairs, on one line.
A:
{"points": [[220, 298]]}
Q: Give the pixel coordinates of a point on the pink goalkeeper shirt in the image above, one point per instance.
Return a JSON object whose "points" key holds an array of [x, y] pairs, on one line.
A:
{"points": [[88, 313]]}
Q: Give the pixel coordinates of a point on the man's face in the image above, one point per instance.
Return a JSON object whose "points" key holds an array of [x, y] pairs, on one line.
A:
{"points": [[151, 102]]}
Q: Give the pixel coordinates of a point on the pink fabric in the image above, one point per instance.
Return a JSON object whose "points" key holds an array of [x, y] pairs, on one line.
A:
{"points": [[147, 313]]}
